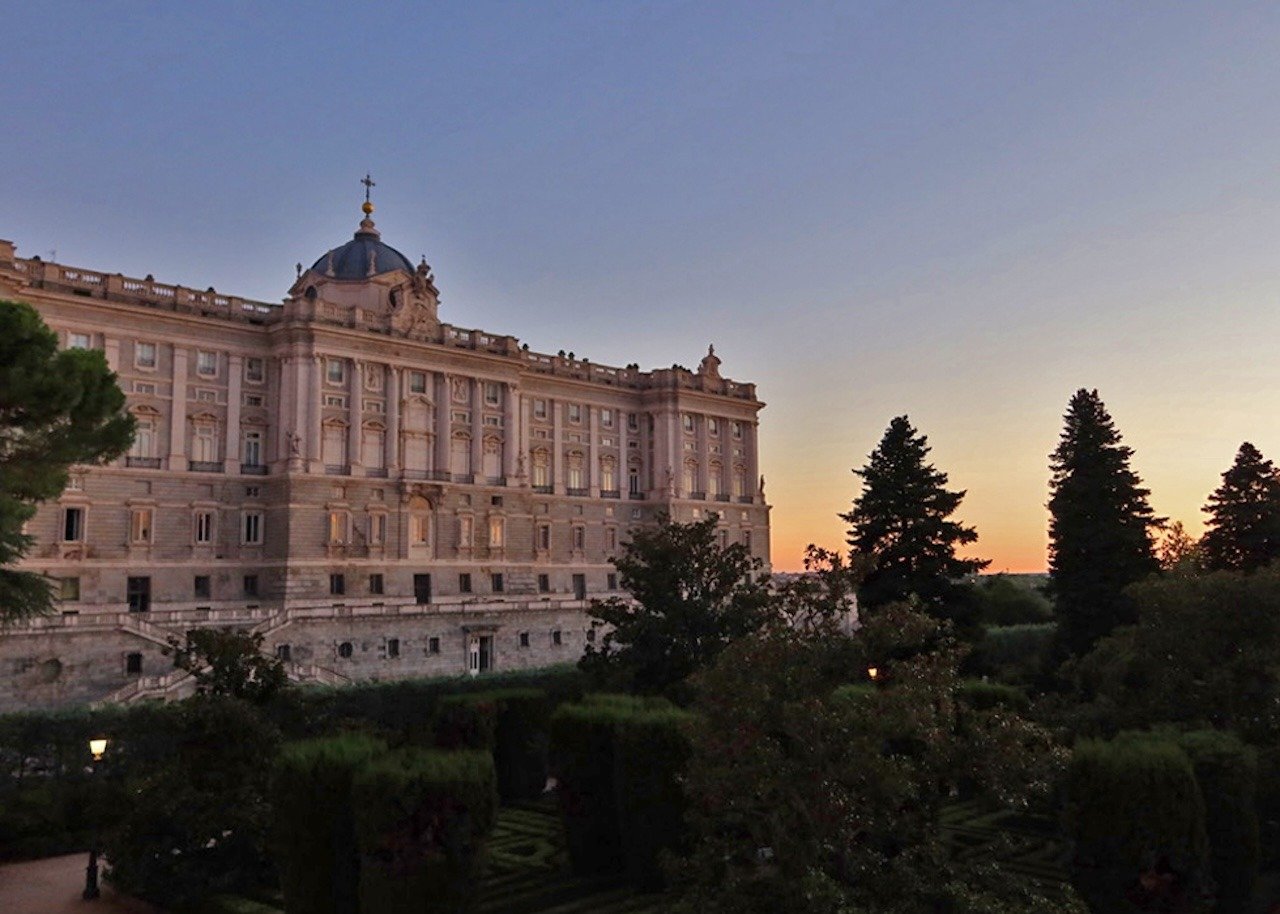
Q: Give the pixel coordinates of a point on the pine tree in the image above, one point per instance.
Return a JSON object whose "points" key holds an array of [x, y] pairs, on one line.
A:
{"points": [[1244, 515], [56, 408], [901, 523], [1099, 528]]}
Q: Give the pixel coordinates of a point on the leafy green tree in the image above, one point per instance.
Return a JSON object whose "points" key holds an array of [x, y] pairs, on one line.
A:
{"points": [[1244, 515], [1005, 602], [229, 663], [1100, 526], [691, 596], [56, 409], [806, 795], [901, 524]]}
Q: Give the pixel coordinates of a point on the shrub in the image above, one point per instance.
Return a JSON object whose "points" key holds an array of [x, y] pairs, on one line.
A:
{"points": [[582, 761], [984, 696], [1227, 772], [1133, 806], [421, 820], [314, 825], [1015, 653], [465, 722], [651, 753], [197, 824], [520, 742]]}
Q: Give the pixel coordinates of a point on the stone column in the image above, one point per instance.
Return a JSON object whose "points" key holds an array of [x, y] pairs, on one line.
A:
{"points": [[750, 441], [557, 447], [444, 403], [477, 427], [392, 383], [355, 415], [704, 454], [282, 410], [593, 450], [511, 434], [178, 412], [311, 412], [235, 376]]}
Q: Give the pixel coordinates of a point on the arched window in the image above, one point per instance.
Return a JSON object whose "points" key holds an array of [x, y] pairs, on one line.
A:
{"points": [[715, 479], [204, 438], [146, 440], [575, 465]]}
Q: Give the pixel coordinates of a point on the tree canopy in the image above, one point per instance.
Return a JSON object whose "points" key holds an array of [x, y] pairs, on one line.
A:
{"points": [[692, 596], [1100, 525], [901, 524], [1243, 529], [57, 408]]}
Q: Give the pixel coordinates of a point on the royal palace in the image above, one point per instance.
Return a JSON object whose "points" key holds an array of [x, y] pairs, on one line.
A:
{"points": [[378, 493]]}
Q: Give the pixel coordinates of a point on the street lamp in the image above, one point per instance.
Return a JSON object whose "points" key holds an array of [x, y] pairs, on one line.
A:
{"points": [[97, 748], [873, 673]]}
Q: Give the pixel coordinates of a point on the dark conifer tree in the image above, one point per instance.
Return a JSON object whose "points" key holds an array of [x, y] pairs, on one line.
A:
{"points": [[901, 523], [1100, 526], [1244, 515]]}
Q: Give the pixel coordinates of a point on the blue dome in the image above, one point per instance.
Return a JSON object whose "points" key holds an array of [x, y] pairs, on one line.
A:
{"points": [[363, 256]]}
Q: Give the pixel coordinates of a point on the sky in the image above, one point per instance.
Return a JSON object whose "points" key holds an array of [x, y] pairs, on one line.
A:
{"points": [[958, 212]]}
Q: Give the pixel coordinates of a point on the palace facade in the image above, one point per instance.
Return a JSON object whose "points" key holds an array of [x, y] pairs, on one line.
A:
{"points": [[379, 493]]}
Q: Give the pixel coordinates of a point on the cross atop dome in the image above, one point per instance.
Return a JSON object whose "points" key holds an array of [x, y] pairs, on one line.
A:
{"points": [[369, 185]]}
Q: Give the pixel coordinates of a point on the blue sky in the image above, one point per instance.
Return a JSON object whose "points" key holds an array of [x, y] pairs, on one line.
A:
{"points": [[961, 212]]}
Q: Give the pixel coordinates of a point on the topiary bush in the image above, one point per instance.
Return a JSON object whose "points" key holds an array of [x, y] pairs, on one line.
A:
{"points": [[520, 742], [465, 722], [651, 752], [1133, 807], [314, 825], [582, 762], [985, 696], [1227, 772], [421, 820]]}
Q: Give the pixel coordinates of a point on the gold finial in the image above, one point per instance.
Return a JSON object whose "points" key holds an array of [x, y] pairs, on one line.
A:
{"points": [[369, 185]]}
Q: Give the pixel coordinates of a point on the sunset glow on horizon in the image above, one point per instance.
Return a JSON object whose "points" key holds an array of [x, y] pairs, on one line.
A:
{"points": [[963, 214]]}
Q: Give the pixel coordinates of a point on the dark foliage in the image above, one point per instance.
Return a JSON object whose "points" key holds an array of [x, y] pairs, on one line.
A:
{"points": [[1226, 771], [1002, 602], [1243, 529], [901, 524], [520, 743], [466, 721], [229, 663], [1099, 529]]}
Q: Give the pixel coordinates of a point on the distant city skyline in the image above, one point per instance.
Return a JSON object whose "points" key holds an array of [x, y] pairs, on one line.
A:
{"points": [[962, 214]]}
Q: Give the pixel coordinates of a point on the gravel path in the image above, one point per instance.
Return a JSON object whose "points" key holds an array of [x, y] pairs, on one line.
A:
{"points": [[53, 886]]}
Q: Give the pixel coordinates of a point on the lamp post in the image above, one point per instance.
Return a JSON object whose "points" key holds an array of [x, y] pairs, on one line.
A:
{"points": [[98, 748], [873, 673]]}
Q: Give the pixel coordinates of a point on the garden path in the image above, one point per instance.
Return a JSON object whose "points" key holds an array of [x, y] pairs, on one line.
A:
{"points": [[53, 886]]}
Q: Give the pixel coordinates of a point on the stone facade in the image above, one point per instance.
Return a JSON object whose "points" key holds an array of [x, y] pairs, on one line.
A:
{"points": [[382, 494]]}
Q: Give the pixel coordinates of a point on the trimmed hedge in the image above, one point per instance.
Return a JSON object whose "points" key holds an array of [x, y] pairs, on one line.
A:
{"points": [[582, 762], [1227, 772], [1133, 806], [520, 743], [465, 722], [984, 696], [315, 829], [651, 754], [421, 820]]}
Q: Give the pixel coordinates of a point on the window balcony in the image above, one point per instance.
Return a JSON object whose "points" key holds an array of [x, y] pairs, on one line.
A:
{"points": [[205, 466], [722, 497], [698, 496], [253, 469], [335, 469], [466, 478], [543, 490], [576, 492], [376, 472], [745, 499], [636, 496], [495, 480], [610, 493], [143, 463]]}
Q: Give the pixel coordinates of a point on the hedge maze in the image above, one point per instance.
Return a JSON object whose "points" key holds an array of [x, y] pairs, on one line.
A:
{"points": [[1031, 846]]}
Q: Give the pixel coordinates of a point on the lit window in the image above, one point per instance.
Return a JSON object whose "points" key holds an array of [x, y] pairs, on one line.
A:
{"points": [[608, 474], [335, 371], [254, 370], [79, 341], [497, 532], [206, 363], [420, 529], [417, 382], [144, 355], [576, 472], [337, 527], [541, 469], [140, 525], [251, 528], [204, 527], [377, 529]]}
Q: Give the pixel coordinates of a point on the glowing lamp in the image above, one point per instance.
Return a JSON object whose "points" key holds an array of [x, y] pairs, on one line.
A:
{"points": [[873, 673], [98, 747]]}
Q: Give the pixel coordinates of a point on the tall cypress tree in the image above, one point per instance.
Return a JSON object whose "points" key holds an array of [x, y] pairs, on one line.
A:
{"points": [[1244, 515], [901, 521], [1099, 526]]}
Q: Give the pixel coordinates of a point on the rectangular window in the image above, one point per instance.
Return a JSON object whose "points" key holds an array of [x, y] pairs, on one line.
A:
{"points": [[544, 537], [713, 428], [524, 639], [133, 664], [252, 491], [200, 586], [556, 640], [335, 400], [69, 589], [255, 370], [606, 418], [337, 585], [73, 525], [492, 395], [433, 645], [337, 526], [335, 371], [206, 363], [377, 529], [496, 583], [464, 583], [611, 538], [420, 529], [575, 412], [393, 648], [746, 539], [612, 582], [203, 528], [539, 409], [253, 449], [417, 382], [376, 584], [251, 529], [736, 429], [465, 527], [250, 585], [79, 341], [137, 593], [633, 422], [497, 532], [140, 525], [544, 583], [579, 538], [253, 399], [687, 419], [284, 653], [144, 355]]}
